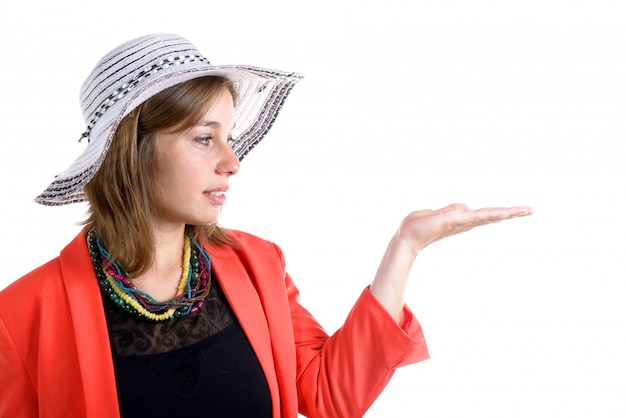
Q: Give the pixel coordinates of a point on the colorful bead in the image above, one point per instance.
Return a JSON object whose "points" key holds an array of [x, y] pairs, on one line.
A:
{"points": [[194, 285]]}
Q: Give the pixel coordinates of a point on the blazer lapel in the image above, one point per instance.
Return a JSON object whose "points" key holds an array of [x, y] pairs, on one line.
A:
{"points": [[244, 300], [90, 330]]}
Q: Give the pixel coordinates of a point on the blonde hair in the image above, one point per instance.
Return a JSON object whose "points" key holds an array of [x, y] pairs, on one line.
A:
{"points": [[120, 195]]}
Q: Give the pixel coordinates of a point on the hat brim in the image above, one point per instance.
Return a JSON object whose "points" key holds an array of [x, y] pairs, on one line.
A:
{"points": [[261, 93]]}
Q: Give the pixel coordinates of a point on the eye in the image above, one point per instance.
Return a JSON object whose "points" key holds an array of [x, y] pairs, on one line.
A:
{"points": [[204, 139], [231, 141]]}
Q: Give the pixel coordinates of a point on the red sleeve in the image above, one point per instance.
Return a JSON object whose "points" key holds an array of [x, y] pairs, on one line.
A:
{"points": [[342, 375]]}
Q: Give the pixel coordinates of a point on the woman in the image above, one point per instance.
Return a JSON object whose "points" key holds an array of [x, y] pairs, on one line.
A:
{"points": [[154, 309]]}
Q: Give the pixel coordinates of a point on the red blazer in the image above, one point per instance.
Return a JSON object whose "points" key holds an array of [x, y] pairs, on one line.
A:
{"points": [[55, 357]]}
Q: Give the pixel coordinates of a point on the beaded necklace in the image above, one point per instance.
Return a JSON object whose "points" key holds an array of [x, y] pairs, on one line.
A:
{"points": [[194, 285]]}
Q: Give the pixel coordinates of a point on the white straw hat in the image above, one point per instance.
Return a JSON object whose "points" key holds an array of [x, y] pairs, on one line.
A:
{"points": [[137, 70]]}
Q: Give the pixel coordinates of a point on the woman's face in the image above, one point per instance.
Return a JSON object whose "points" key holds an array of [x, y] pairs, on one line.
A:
{"points": [[194, 167]]}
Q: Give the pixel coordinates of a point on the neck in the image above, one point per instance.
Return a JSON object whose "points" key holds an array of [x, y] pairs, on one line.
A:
{"points": [[161, 280]]}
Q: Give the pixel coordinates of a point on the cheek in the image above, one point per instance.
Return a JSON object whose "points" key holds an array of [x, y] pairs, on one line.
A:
{"points": [[168, 173], [179, 174]]}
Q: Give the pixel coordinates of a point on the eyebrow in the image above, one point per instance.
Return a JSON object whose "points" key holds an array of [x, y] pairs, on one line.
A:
{"points": [[211, 124]]}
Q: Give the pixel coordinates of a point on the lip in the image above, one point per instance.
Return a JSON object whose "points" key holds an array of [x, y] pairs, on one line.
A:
{"points": [[217, 196]]}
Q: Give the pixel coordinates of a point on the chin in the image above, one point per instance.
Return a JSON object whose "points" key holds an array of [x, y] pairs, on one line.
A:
{"points": [[208, 222]]}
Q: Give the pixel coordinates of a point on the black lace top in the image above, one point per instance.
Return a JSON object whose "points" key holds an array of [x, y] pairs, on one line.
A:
{"points": [[199, 365]]}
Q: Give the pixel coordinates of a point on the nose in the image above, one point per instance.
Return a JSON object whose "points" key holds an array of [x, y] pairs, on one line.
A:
{"points": [[229, 163]]}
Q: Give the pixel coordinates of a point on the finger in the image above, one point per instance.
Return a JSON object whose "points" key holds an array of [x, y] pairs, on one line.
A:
{"points": [[490, 215], [512, 212], [452, 207], [521, 211]]}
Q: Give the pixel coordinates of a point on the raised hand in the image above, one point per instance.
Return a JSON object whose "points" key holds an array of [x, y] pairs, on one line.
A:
{"points": [[420, 229], [423, 227]]}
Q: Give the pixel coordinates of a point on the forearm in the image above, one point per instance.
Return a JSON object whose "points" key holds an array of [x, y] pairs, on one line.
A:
{"points": [[389, 283]]}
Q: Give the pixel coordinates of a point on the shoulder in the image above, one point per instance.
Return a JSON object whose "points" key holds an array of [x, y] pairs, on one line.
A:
{"points": [[36, 280], [249, 248], [44, 282], [24, 301], [244, 236], [246, 240]]}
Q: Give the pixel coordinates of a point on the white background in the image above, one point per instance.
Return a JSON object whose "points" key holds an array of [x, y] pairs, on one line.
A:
{"points": [[405, 105]]}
